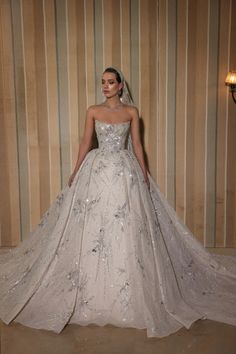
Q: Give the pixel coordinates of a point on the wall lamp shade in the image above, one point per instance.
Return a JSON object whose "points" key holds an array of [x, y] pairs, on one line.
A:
{"points": [[231, 82]]}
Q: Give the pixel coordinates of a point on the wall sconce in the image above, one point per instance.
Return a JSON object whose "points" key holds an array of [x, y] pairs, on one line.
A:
{"points": [[231, 82]]}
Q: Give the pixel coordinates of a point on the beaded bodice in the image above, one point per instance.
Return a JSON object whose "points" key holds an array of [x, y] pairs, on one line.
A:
{"points": [[112, 137]]}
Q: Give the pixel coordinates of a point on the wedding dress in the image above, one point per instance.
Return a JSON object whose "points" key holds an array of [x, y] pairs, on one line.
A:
{"points": [[111, 251]]}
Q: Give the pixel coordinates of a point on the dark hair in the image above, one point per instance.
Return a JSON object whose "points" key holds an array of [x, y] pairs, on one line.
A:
{"points": [[113, 71], [117, 74]]}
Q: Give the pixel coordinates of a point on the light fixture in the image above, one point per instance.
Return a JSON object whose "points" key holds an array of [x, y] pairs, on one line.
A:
{"points": [[231, 82]]}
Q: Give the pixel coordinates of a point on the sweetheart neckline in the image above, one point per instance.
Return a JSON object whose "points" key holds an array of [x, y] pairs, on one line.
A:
{"points": [[96, 120]]}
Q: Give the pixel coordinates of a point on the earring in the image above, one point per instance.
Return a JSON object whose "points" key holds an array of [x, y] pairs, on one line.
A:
{"points": [[120, 92]]}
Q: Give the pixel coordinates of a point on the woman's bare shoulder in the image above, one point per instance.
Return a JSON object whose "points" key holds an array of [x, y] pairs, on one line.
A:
{"points": [[92, 108], [130, 107], [95, 108], [133, 110]]}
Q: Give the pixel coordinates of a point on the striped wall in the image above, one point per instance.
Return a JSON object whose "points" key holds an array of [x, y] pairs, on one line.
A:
{"points": [[175, 55]]}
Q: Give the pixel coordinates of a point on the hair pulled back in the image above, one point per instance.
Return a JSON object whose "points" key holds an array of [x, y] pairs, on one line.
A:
{"points": [[113, 71]]}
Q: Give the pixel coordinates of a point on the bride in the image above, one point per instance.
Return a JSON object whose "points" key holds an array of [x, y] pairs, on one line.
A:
{"points": [[110, 250]]}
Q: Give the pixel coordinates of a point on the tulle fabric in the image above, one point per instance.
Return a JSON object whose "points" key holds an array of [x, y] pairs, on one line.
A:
{"points": [[111, 251]]}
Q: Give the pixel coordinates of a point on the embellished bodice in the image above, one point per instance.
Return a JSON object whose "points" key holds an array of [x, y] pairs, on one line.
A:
{"points": [[112, 137]]}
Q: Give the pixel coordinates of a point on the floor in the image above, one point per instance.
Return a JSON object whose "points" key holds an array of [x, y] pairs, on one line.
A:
{"points": [[204, 337]]}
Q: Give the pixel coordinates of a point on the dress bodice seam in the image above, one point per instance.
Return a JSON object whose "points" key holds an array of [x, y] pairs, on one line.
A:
{"points": [[102, 122]]}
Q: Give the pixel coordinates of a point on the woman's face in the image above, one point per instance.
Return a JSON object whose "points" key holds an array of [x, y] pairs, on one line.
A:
{"points": [[110, 85]]}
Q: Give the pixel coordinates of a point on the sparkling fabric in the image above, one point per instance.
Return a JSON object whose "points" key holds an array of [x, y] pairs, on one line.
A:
{"points": [[109, 251]]}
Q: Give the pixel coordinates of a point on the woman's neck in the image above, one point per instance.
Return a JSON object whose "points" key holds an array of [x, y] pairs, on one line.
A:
{"points": [[113, 102]]}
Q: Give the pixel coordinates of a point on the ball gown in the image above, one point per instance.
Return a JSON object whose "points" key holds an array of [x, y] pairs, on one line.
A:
{"points": [[112, 251]]}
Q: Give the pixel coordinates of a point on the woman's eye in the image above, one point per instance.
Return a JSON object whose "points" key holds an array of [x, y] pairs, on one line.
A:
{"points": [[109, 82]]}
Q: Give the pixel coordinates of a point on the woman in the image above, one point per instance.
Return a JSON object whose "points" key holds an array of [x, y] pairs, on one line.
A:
{"points": [[111, 111], [111, 249]]}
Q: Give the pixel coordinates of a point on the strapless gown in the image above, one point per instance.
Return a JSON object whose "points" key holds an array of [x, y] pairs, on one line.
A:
{"points": [[111, 251]]}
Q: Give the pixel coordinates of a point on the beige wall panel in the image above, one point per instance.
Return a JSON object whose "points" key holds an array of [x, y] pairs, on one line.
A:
{"points": [[20, 99], [89, 52], [210, 137], [82, 102], [52, 100], [99, 44], [195, 178], [107, 28], [125, 28], [222, 118], [148, 83], [9, 205], [231, 179], [181, 101], [11, 133], [171, 101], [42, 113], [116, 34], [231, 146], [63, 88], [5, 208], [134, 51], [144, 85], [31, 109], [111, 33], [190, 112], [161, 128], [153, 83], [73, 82]]}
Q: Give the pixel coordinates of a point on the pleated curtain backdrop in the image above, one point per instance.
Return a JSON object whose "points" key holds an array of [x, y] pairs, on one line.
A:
{"points": [[175, 55]]}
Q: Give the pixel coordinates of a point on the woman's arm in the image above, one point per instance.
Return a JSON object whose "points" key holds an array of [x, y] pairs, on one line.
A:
{"points": [[136, 141], [86, 142]]}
